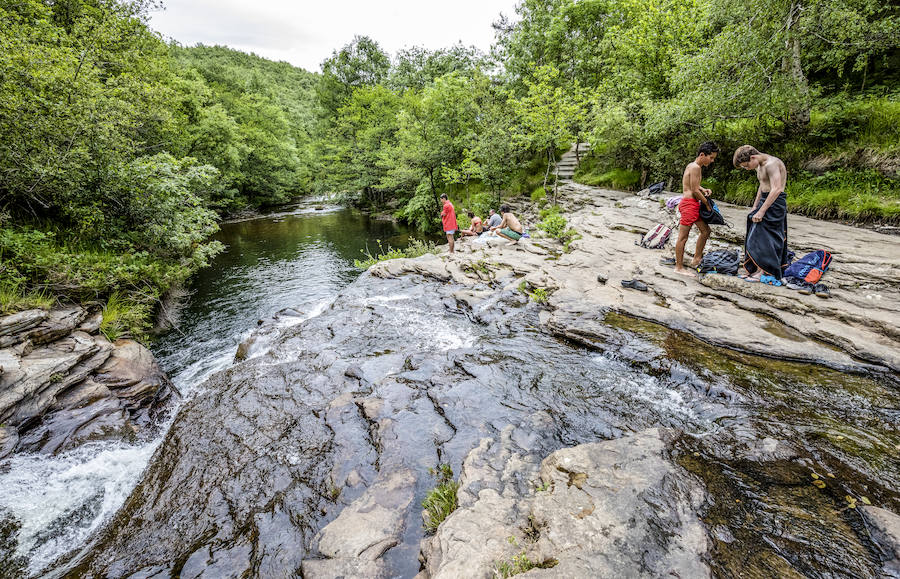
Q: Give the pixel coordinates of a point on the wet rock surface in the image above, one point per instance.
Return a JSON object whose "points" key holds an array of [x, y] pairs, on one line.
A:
{"points": [[314, 457], [62, 383]]}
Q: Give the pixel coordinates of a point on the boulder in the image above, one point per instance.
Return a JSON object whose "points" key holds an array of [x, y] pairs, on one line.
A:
{"points": [[29, 384], [132, 374], [65, 429], [91, 325]]}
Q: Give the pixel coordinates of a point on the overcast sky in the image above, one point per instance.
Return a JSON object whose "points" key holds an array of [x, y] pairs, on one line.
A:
{"points": [[305, 33]]}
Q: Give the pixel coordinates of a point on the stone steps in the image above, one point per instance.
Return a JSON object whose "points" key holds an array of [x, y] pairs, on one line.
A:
{"points": [[568, 163]]}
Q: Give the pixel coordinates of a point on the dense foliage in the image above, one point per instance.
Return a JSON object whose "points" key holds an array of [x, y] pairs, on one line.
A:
{"points": [[118, 152]]}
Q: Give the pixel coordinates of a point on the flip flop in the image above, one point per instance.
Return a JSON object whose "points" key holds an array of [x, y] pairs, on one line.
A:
{"points": [[769, 280], [750, 279], [667, 261]]}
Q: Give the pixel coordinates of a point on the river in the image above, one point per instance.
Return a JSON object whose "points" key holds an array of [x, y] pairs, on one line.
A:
{"points": [[368, 376]]}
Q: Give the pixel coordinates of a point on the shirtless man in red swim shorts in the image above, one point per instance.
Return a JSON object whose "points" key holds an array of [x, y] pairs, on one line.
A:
{"points": [[689, 207]]}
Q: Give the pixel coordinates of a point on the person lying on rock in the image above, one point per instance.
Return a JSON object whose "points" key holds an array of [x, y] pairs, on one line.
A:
{"points": [[509, 227], [689, 207], [765, 244], [476, 228], [448, 220]]}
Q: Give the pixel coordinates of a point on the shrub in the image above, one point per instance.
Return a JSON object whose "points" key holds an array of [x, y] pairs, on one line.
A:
{"points": [[556, 226]]}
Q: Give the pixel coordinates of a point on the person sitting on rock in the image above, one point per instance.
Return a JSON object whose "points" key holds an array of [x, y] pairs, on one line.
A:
{"points": [[493, 219], [509, 226], [689, 207], [476, 228]]}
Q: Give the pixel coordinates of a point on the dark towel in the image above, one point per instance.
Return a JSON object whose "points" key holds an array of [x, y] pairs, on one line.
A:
{"points": [[765, 246]]}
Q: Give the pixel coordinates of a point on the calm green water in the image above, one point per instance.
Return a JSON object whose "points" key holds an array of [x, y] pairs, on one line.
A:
{"points": [[300, 259]]}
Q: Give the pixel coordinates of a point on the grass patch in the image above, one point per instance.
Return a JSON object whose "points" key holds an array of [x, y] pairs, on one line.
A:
{"points": [[520, 564], [592, 171], [441, 500], [416, 248], [124, 318], [15, 298]]}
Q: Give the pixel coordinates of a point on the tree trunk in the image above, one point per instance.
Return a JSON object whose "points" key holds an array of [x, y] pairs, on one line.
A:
{"points": [[437, 202], [798, 117]]}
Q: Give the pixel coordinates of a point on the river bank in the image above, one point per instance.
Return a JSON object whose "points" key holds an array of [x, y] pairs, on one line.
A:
{"points": [[855, 330]]}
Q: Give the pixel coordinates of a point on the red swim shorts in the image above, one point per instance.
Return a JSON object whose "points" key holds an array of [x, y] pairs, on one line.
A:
{"points": [[690, 211]]}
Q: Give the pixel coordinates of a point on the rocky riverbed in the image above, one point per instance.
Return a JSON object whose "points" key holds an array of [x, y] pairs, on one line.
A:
{"points": [[586, 440]]}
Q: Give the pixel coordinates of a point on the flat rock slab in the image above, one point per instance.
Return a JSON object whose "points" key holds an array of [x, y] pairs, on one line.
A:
{"points": [[610, 509], [372, 524], [856, 329]]}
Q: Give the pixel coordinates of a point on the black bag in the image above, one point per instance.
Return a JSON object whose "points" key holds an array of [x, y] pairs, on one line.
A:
{"points": [[713, 217], [722, 261], [656, 188]]}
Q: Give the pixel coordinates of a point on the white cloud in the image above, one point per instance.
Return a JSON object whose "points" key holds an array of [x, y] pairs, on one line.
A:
{"points": [[305, 33]]}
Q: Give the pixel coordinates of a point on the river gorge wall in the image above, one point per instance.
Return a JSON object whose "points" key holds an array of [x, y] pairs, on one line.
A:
{"points": [[62, 383]]}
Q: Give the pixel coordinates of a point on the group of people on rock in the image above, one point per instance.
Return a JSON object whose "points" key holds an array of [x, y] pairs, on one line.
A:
{"points": [[765, 243], [504, 224]]}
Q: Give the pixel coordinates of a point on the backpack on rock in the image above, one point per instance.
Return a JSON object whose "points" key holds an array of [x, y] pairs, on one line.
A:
{"points": [[722, 261], [656, 238]]}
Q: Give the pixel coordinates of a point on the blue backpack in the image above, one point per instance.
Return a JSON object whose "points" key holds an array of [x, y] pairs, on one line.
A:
{"points": [[810, 267]]}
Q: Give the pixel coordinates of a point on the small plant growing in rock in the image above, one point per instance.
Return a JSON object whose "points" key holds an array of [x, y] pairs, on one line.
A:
{"points": [[441, 500], [539, 295], [556, 226], [520, 564], [416, 248]]}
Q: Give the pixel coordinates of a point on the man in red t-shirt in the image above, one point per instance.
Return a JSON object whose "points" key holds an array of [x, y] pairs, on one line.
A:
{"points": [[448, 220]]}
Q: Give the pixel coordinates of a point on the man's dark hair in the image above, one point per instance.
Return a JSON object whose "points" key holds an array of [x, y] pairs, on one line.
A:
{"points": [[504, 208], [708, 148], [470, 214], [443, 195], [743, 154]]}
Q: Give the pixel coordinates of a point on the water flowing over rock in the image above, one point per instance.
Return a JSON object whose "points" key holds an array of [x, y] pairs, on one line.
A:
{"points": [[591, 435], [314, 457]]}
